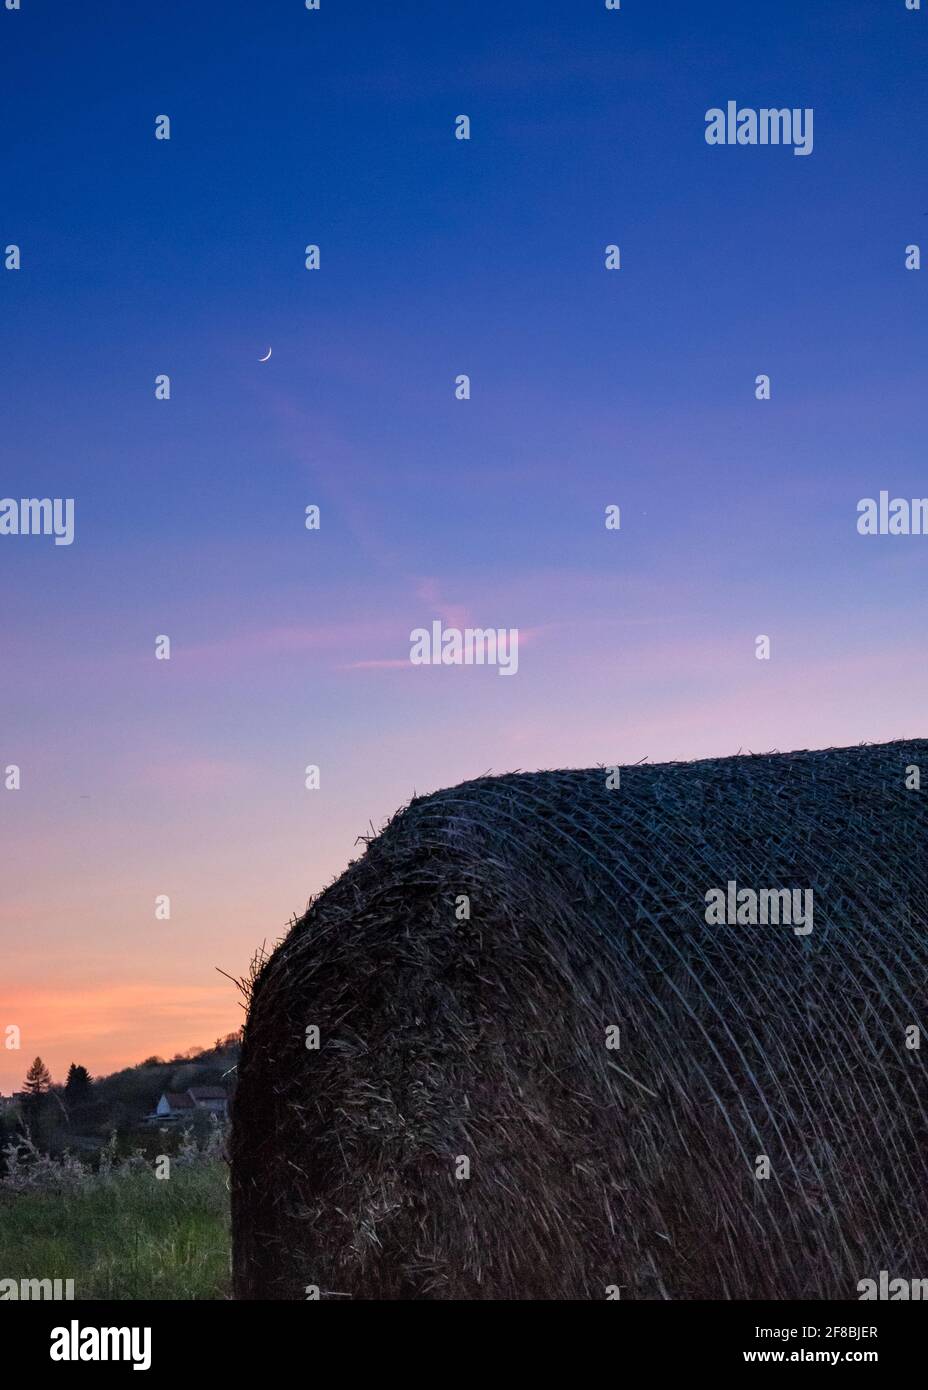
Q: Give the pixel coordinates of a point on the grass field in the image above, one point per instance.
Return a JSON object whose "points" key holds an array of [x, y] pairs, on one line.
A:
{"points": [[132, 1236]]}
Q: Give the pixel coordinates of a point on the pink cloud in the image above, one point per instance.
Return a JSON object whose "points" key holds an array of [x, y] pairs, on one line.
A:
{"points": [[388, 664]]}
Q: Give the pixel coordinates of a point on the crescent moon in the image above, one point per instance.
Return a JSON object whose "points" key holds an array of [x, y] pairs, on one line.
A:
{"points": [[264, 359]]}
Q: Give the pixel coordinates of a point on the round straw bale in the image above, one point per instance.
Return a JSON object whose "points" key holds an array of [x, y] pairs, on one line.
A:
{"points": [[523, 1049]]}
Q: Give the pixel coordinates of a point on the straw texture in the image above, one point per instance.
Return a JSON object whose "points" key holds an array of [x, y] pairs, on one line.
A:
{"points": [[445, 1038]]}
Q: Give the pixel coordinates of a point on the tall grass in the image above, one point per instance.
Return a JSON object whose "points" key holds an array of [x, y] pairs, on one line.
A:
{"points": [[124, 1235]]}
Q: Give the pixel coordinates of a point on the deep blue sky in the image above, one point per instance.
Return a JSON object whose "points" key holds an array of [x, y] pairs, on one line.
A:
{"points": [[292, 126]]}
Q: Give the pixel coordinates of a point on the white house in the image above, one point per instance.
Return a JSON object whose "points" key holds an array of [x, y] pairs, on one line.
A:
{"points": [[184, 1105], [174, 1105]]}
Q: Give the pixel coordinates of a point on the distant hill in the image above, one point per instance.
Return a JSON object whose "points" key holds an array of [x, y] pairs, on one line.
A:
{"points": [[124, 1097], [121, 1101]]}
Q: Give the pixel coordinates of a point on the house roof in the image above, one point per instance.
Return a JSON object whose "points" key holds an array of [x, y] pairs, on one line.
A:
{"points": [[207, 1093], [179, 1100]]}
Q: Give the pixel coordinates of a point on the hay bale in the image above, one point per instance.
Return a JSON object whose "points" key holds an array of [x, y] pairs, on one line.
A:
{"points": [[443, 1038]]}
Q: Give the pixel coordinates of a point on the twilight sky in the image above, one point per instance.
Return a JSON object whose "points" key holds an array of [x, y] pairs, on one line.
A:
{"points": [[589, 387]]}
